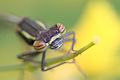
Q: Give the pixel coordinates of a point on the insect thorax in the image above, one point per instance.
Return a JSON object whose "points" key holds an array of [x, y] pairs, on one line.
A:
{"points": [[47, 35], [51, 37]]}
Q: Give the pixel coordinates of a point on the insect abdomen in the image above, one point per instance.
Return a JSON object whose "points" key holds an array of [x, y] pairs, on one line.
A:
{"points": [[30, 26]]}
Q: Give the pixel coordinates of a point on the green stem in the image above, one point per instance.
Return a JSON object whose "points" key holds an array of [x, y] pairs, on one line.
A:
{"points": [[70, 56], [49, 61]]}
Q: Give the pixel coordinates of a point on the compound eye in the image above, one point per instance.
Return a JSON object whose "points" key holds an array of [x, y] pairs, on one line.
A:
{"points": [[39, 45], [56, 44], [61, 27]]}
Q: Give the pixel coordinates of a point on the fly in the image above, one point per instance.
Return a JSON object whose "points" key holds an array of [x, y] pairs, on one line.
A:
{"points": [[41, 38]]}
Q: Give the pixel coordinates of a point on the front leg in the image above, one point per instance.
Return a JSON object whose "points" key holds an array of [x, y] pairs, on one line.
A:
{"points": [[66, 38], [28, 55], [73, 39]]}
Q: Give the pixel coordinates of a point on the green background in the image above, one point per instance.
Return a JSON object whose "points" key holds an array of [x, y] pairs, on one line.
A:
{"points": [[68, 12]]}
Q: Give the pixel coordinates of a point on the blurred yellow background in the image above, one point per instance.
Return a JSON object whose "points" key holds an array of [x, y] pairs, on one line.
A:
{"points": [[88, 18]]}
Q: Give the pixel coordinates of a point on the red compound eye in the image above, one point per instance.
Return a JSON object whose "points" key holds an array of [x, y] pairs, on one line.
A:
{"points": [[61, 27], [39, 45]]}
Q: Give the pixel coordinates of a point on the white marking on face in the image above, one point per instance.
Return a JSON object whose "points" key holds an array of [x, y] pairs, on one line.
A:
{"points": [[54, 37]]}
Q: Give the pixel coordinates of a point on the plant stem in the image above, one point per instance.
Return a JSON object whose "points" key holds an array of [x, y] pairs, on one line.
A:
{"points": [[70, 56], [50, 61]]}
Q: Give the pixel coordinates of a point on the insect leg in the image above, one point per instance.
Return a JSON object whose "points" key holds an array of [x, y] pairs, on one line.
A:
{"points": [[28, 55], [43, 64], [73, 39]]}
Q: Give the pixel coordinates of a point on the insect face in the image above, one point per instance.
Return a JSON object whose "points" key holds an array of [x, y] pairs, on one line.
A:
{"points": [[57, 43], [39, 45]]}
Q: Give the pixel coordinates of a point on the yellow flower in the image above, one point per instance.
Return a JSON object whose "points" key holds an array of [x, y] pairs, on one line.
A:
{"points": [[99, 19]]}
